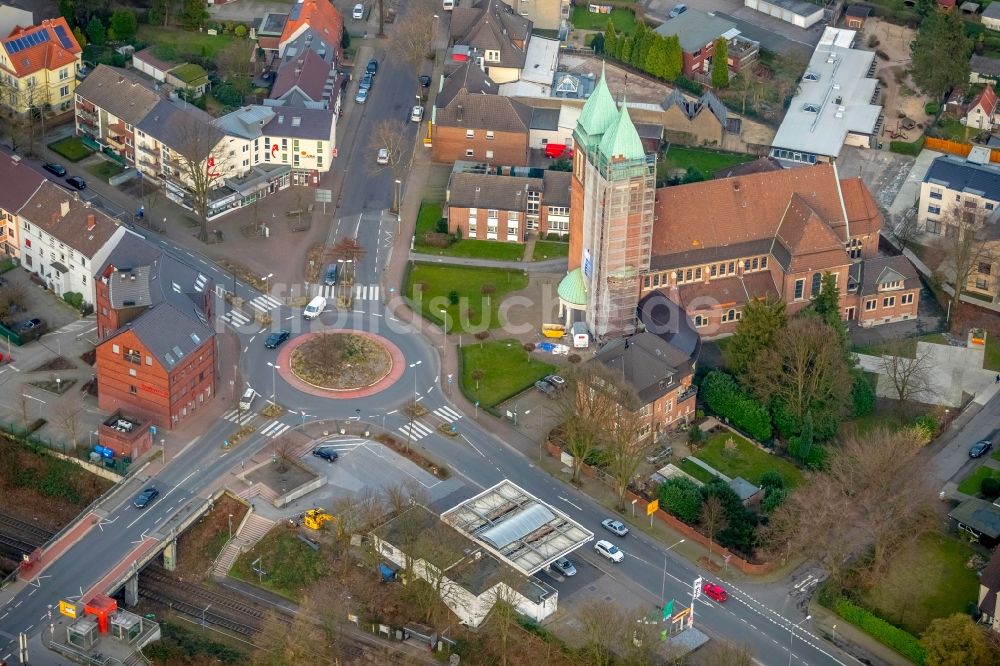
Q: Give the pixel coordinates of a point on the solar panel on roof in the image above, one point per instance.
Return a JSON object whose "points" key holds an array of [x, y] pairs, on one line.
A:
{"points": [[64, 39]]}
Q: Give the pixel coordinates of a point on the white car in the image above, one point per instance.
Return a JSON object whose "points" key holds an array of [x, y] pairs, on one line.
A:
{"points": [[417, 114], [609, 550], [359, 12], [362, 96], [383, 156]]}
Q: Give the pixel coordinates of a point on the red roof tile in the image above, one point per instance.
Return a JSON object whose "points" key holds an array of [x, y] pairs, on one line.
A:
{"points": [[47, 55], [320, 15], [987, 100]]}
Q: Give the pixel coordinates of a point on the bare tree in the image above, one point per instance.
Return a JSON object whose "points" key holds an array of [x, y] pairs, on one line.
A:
{"points": [[237, 65], [903, 227], [391, 136], [601, 631], [967, 243], [629, 441], [584, 411], [713, 519], [502, 622], [282, 642], [910, 377], [722, 653], [412, 38], [199, 164], [67, 416]]}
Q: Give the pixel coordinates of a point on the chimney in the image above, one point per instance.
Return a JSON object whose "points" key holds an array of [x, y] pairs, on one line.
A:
{"points": [[91, 222], [460, 113], [16, 159], [64, 209]]}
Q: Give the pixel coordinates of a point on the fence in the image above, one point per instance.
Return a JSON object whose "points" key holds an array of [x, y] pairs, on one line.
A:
{"points": [[956, 148]]}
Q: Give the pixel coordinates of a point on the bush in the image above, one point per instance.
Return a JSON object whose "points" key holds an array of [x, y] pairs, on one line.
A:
{"points": [[724, 397], [932, 108], [901, 641], [862, 395], [682, 498], [906, 148], [74, 298], [438, 240], [990, 488], [771, 479], [240, 31], [453, 297], [441, 226], [926, 426]]}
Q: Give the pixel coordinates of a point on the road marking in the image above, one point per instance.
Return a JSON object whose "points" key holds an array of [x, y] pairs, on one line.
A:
{"points": [[473, 445], [242, 417], [578, 508], [274, 429], [415, 430], [18, 604], [33, 591], [236, 318], [393, 411], [447, 414], [265, 303]]}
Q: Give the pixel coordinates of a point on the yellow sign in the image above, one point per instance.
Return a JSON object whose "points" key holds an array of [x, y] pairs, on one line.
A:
{"points": [[68, 609], [652, 507]]}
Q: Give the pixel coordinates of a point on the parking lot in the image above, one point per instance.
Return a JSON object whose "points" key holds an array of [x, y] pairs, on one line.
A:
{"points": [[22, 299]]}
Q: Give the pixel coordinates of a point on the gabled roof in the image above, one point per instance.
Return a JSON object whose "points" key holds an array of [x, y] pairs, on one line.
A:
{"points": [[556, 188], [479, 190], [696, 29], [300, 123], [803, 233], [982, 64], [83, 228], [120, 92], [20, 181], [647, 363], [49, 45], [992, 12], [469, 77], [990, 577], [875, 271], [759, 165], [978, 514], [730, 291], [491, 25], [167, 333], [247, 122], [692, 108], [958, 174], [183, 128], [487, 112], [321, 16], [987, 100], [147, 56], [307, 73]]}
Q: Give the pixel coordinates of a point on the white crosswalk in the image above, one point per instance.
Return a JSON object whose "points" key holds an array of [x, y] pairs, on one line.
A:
{"points": [[447, 413], [241, 417], [327, 291], [236, 318], [265, 303], [415, 430], [274, 429], [363, 292], [343, 445]]}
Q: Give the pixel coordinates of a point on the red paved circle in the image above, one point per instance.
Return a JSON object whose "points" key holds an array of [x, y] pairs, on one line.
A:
{"points": [[395, 372]]}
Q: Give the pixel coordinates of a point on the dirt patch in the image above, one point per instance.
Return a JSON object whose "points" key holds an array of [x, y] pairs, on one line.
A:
{"points": [[52, 386], [900, 95], [89, 357], [437, 469], [198, 547], [57, 363], [281, 476], [341, 361]]}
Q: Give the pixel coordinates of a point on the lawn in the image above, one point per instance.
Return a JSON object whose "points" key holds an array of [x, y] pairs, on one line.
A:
{"points": [[907, 346], [507, 370], [623, 19], [453, 295], [747, 460], [290, 565], [991, 356], [176, 45], [427, 222], [970, 484], [549, 250], [71, 148], [105, 170], [705, 161], [955, 131], [924, 581], [696, 471]]}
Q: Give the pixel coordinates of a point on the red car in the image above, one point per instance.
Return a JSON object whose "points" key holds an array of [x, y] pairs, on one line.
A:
{"points": [[716, 592]]}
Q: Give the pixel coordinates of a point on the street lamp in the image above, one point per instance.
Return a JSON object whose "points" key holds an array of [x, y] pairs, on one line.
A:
{"points": [[791, 636], [203, 614], [274, 384], [230, 527], [395, 196], [267, 283], [663, 584]]}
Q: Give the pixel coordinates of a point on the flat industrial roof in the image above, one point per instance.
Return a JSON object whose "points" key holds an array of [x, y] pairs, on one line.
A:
{"points": [[834, 98], [511, 523]]}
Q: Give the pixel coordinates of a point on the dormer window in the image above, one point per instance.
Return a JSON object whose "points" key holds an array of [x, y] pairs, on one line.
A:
{"points": [[889, 285], [809, 107], [811, 76], [492, 56]]}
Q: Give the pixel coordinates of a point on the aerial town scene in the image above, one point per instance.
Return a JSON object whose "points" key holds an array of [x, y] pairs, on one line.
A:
{"points": [[499, 332]]}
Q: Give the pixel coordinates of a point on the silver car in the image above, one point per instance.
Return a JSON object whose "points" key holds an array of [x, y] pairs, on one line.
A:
{"points": [[615, 526], [564, 566]]}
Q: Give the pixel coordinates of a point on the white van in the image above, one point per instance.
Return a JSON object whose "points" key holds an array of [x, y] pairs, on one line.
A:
{"points": [[359, 12], [581, 337], [315, 308], [448, 5], [247, 399]]}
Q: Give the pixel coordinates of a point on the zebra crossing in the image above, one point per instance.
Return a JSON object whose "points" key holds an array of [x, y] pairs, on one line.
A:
{"points": [[265, 303], [363, 292], [236, 318], [447, 414], [274, 429], [415, 430], [240, 416], [343, 445]]}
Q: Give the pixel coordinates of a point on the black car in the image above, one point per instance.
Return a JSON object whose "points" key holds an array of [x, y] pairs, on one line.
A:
{"points": [[276, 339], [77, 182], [328, 455], [56, 169], [980, 448], [30, 324], [330, 276], [372, 67], [143, 499], [425, 81]]}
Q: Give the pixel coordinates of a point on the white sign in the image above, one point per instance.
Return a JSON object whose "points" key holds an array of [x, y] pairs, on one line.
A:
{"points": [[696, 590]]}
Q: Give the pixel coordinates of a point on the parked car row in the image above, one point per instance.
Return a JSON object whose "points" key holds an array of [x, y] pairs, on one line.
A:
{"points": [[367, 81], [60, 171], [550, 385]]}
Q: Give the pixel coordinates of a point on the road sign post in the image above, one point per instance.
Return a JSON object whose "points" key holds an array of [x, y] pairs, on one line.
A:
{"points": [[651, 509]]}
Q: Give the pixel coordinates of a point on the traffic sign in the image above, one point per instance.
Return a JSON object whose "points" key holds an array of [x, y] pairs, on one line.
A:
{"points": [[652, 507]]}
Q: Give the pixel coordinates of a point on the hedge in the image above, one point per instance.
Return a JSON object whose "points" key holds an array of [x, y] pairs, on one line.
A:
{"points": [[899, 640], [724, 396], [907, 148]]}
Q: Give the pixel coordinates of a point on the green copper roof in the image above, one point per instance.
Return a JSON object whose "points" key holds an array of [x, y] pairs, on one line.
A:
{"points": [[622, 140], [571, 289], [599, 112]]}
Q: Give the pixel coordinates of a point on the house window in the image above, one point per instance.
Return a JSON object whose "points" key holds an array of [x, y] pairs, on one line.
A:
{"points": [[512, 216], [492, 56], [687, 276], [985, 267], [934, 210], [115, 349], [697, 273], [817, 283], [492, 214], [870, 305], [470, 134], [732, 267], [133, 390], [746, 265], [64, 91], [907, 299], [800, 287], [888, 301], [656, 279], [645, 281], [763, 262], [713, 270], [679, 277], [489, 154], [491, 229], [754, 264], [469, 152], [700, 321], [472, 227], [149, 360], [489, 135], [936, 194], [729, 316], [980, 284], [27, 241]]}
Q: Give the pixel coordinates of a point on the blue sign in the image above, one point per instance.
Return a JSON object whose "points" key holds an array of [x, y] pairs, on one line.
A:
{"points": [[152, 430], [588, 264]]}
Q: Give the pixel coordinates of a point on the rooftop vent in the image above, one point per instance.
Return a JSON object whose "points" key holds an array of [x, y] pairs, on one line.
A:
{"points": [[64, 209], [91, 223]]}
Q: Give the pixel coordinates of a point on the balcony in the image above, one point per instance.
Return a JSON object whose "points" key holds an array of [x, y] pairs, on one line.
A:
{"points": [[116, 142], [688, 393], [86, 118]]}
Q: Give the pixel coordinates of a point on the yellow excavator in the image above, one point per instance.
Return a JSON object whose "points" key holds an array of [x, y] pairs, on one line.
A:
{"points": [[315, 518]]}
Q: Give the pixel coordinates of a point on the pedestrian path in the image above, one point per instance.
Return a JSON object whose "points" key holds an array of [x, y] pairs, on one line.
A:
{"points": [[241, 417], [366, 292], [447, 414], [265, 303], [416, 430], [253, 530], [342, 445], [236, 318], [274, 429]]}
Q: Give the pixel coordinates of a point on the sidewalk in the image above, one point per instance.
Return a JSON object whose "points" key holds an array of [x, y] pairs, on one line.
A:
{"points": [[546, 266]]}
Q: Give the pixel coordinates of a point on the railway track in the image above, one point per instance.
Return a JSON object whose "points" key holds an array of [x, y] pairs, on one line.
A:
{"points": [[33, 534]]}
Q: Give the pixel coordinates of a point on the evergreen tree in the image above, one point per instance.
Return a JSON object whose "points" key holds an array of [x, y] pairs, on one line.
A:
{"points": [[95, 32], [801, 446], [827, 303], [80, 39], [940, 53], [640, 44], [67, 9], [720, 64], [755, 331], [626, 50], [656, 56], [675, 58], [610, 39], [193, 13], [124, 24]]}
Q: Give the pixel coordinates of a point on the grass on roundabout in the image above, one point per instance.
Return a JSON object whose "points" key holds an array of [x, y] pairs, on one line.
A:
{"points": [[341, 361]]}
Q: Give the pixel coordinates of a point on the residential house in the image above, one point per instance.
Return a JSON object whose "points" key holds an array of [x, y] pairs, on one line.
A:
{"points": [[978, 518], [989, 590], [187, 76], [701, 122], [543, 14], [797, 12], [887, 290], [63, 238], [491, 34], [267, 31], [983, 69], [307, 81], [472, 123], [856, 15], [312, 24], [20, 183], [496, 207], [156, 352], [658, 374], [470, 578], [698, 31], [981, 114], [991, 17], [541, 61], [953, 185], [110, 102], [835, 105], [38, 66]]}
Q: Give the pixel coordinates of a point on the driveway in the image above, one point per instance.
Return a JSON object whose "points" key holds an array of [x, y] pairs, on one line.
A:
{"points": [[883, 172]]}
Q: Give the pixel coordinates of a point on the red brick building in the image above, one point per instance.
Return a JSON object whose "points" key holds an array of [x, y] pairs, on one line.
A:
{"points": [[157, 356], [507, 208]]}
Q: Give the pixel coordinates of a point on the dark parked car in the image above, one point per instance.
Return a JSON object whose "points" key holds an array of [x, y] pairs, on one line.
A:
{"points": [[276, 339], [330, 276], [372, 67], [425, 81], [556, 381], [77, 182], [980, 448], [545, 387], [328, 455], [143, 499], [366, 82], [29, 325], [56, 169]]}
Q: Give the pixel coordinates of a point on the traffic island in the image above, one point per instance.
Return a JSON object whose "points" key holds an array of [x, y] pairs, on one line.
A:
{"points": [[341, 361]]}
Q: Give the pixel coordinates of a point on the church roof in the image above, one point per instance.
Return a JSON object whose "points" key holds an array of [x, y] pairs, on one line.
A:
{"points": [[621, 140], [599, 112]]}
